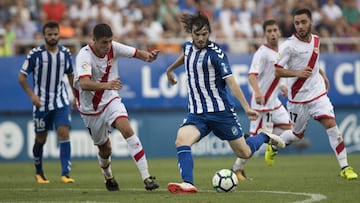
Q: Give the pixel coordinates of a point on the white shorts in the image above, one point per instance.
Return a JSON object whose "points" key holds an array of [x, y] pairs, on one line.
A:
{"points": [[300, 114], [269, 120], [100, 125]]}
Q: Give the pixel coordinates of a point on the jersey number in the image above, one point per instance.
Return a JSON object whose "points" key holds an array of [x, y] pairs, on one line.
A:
{"points": [[293, 116], [40, 123]]}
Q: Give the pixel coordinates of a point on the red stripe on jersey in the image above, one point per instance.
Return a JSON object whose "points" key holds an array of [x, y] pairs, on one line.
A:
{"points": [[300, 81], [98, 94], [340, 147], [271, 89], [139, 155]]}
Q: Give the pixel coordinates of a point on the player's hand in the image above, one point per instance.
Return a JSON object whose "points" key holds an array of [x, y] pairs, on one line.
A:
{"points": [[284, 91], [73, 104], [252, 114], [259, 98], [152, 55], [305, 72], [171, 77], [114, 84], [35, 100]]}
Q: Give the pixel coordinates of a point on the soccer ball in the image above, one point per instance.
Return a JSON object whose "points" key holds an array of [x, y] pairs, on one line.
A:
{"points": [[224, 180]]}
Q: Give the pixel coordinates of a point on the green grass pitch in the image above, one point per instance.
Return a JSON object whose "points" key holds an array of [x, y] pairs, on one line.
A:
{"points": [[293, 178]]}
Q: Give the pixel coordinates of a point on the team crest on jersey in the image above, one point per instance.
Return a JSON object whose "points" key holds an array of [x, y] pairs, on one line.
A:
{"points": [[224, 67], [234, 130], [25, 64], [85, 67]]}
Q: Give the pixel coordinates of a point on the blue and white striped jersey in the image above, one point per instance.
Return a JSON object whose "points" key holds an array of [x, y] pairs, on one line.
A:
{"points": [[48, 71], [206, 71]]}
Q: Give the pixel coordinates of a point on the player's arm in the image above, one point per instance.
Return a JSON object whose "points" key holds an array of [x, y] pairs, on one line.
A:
{"points": [[71, 83], [239, 95], [170, 70], [302, 73], [146, 55], [259, 97], [326, 80], [88, 85], [35, 100]]}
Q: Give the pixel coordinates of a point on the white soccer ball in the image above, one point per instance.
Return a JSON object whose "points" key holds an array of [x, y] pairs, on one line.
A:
{"points": [[224, 180]]}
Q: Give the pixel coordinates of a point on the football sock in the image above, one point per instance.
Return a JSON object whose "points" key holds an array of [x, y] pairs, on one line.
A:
{"points": [[65, 151], [239, 164], [256, 141], [105, 165], [37, 153], [338, 145], [185, 163], [138, 154], [289, 137]]}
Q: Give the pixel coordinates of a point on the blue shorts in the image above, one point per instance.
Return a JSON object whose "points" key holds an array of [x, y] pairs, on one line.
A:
{"points": [[224, 124], [46, 120]]}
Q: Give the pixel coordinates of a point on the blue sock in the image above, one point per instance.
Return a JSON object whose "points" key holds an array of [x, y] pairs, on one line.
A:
{"points": [[185, 163], [65, 152], [256, 141]]}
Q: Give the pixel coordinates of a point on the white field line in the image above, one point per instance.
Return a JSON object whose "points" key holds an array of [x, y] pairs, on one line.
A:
{"points": [[311, 196]]}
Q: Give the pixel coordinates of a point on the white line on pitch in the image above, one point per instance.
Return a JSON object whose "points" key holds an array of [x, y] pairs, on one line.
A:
{"points": [[312, 197]]}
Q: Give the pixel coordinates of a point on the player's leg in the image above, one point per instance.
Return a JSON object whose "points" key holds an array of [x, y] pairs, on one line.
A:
{"points": [[99, 133], [117, 115], [322, 110], [137, 152], [104, 158], [280, 123], [239, 164], [38, 148], [187, 135], [41, 128], [62, 124]]}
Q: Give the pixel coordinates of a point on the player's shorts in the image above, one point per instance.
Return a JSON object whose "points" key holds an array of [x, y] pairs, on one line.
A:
{"points": [[46, 120], [300, 114], [269, 120], [99, 126], [224, 124]]}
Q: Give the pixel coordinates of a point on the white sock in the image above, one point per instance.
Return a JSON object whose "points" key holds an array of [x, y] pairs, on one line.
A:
{"points": [[239, 164], [138, 155], [288, 136], [105, 165], [338, 145]]}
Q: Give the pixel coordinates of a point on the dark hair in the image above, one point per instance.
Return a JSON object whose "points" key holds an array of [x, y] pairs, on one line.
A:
{"points": [[303, 11], [50, 24], [102, 30], [269, 22], [199, 21]]}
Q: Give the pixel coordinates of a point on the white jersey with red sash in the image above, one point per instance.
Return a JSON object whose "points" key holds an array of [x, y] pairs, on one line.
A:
{"points": [[99, 69], [296, 54], [262, 66]]}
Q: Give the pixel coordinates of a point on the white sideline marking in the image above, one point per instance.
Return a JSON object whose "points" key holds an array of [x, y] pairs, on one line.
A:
{"points": [[312, 197]]}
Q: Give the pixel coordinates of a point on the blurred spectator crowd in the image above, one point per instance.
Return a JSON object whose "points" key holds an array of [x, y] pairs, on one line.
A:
{"points": [[236, 24]]}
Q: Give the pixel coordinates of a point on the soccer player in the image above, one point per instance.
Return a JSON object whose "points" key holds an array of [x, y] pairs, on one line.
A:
{"points": [[49, 63], [96, 90], [264, 99], [210, 110], [308, 84]]}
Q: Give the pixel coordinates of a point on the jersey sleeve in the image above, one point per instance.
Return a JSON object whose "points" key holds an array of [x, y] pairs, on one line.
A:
{"points": [[83, 64], [29, 63], [284, 55], [69, 69], [122, 50], [220, 61], [256, 63]]}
